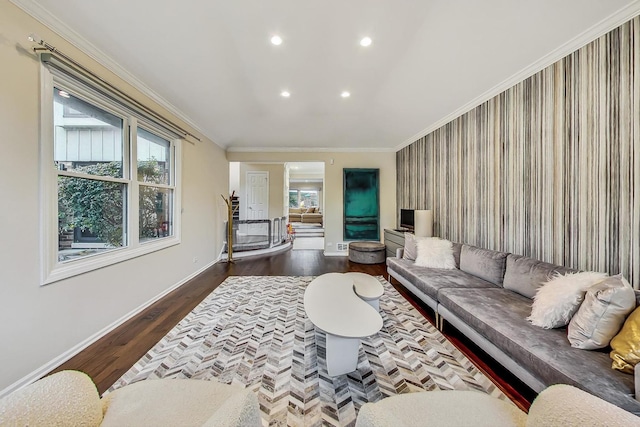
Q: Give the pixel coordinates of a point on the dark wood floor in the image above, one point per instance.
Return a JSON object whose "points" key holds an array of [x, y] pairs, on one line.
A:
{"points": [[110, 357]]}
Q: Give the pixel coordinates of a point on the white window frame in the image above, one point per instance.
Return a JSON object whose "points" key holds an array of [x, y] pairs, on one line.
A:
{"points": [[51, 269]]}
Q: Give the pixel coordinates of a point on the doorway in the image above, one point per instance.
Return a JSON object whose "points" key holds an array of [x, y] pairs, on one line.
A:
{"points": [[305, 195]]}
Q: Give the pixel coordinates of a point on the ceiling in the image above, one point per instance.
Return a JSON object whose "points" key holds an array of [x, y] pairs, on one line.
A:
{"points": [[212, 60], [306, 172]]}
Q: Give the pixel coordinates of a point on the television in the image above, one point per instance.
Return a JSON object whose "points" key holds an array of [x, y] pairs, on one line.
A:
{"points": [[407, 219]]}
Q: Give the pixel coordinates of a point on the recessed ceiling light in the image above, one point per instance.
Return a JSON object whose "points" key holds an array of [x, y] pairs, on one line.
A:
{"points": [[277, 40], [365, 41], [345, 94], [285, 94]]}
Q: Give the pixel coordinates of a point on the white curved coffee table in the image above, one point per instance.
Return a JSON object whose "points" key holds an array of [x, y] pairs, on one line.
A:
{"points": [[368, 288], [332, 306]]}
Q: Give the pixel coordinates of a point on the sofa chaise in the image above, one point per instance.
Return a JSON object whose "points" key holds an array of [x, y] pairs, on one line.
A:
{"points": [[487, 297]]}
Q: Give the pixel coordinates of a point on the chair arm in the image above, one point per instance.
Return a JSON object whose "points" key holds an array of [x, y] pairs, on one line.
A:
{"points": [[399, 252], [565, 405], [64, 398]]}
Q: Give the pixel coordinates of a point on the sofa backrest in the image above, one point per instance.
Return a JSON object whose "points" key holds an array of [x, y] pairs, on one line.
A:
{"points": [[484, 263], [525, 275], [457, 248]]}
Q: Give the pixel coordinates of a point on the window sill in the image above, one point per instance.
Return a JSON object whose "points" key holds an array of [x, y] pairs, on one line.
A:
{"points": [[73, 268]]}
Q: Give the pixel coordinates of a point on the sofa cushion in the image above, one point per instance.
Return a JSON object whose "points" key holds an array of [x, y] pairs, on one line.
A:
{"points": [[430, 280], [500, 316], [525, 275], [483, 263], [172, 402]]}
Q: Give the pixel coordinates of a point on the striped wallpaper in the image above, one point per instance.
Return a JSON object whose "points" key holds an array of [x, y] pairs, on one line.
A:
{"points": [[550, 168]]}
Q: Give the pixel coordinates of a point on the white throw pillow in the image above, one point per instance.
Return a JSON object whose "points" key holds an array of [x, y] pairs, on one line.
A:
{"points": [[558, 299], [434, 252]]}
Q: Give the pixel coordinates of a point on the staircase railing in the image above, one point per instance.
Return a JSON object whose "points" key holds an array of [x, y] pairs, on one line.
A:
{"points": [[255, 234]]}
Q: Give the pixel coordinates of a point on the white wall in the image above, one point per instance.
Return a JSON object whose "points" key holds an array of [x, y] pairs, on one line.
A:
{"points": [[39, 324], [333, 200], [234, 177]]}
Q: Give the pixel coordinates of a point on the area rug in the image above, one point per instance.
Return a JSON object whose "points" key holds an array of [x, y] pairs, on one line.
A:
{"points": [[253, 331]]}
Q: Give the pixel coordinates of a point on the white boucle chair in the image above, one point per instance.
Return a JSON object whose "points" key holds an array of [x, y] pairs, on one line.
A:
{"points": [[70, 398], [558, 405]]}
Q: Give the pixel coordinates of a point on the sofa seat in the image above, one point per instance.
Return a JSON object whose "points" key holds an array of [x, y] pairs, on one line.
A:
{"points": [[430, 280], [311, 218], [301, 215], [500, 316]]}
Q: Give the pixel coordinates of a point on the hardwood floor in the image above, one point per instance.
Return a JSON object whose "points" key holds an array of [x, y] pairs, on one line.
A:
{"points": [[110, 357]]}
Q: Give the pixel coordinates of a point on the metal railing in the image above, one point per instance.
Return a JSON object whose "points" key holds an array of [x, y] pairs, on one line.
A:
{"points": [[254, 234]]}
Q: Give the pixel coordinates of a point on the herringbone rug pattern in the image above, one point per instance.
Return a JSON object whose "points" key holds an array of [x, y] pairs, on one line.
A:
{"points": [[252, 330]]}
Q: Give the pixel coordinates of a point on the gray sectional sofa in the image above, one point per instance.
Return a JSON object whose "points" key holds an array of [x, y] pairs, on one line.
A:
{"points": [[488, 298]]}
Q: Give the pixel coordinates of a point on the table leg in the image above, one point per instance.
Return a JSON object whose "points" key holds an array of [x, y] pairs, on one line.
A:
{"points": [[375, 303], [342, 354]]}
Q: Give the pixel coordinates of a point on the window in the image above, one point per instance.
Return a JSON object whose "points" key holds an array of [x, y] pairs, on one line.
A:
{"points": [[155, 186], [309, 198], [303, 198], [109, 181], [294, 200], [92, 185]]}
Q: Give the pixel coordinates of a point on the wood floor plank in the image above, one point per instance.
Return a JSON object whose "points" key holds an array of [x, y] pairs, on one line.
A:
{"points": [[111, 356]]}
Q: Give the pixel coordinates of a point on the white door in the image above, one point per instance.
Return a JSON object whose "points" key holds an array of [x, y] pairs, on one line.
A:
{"points": [[257, 195]]}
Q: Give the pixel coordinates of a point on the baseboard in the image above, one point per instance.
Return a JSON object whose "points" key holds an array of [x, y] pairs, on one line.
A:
{"points": [[341, 253], [54, 363]]}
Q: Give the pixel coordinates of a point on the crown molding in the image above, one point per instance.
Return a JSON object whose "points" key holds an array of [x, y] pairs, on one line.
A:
{"points": [[601, 28], [49, 20], [310, 150]]}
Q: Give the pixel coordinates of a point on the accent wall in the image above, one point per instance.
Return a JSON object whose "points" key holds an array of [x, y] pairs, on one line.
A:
{"points": [[550, 168]]}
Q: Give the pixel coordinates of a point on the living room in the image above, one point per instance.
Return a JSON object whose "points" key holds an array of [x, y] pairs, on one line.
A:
{"points": [[562, 188]]}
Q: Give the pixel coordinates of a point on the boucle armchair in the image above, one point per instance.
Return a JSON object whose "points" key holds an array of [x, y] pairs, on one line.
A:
{"points": [[558, 405], [70, 398]]}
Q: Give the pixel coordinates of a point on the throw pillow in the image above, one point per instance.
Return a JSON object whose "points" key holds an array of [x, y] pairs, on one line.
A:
{"points": [[625, 347], [410, 248], [599, 318], [434, 252], [555, 303]]}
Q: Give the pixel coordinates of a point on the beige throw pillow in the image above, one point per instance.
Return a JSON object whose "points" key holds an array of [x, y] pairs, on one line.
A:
{"points": [[410, 248], [601, 315], [434, 252], [555, 303]]}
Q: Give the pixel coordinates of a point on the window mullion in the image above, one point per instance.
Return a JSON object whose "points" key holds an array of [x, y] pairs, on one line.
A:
{"points": [[134, 198]]}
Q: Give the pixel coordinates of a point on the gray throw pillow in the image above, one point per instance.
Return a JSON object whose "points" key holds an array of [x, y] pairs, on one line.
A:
{"points": [[526, 275], [410, 247], [605, 307], [483, 263]]}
